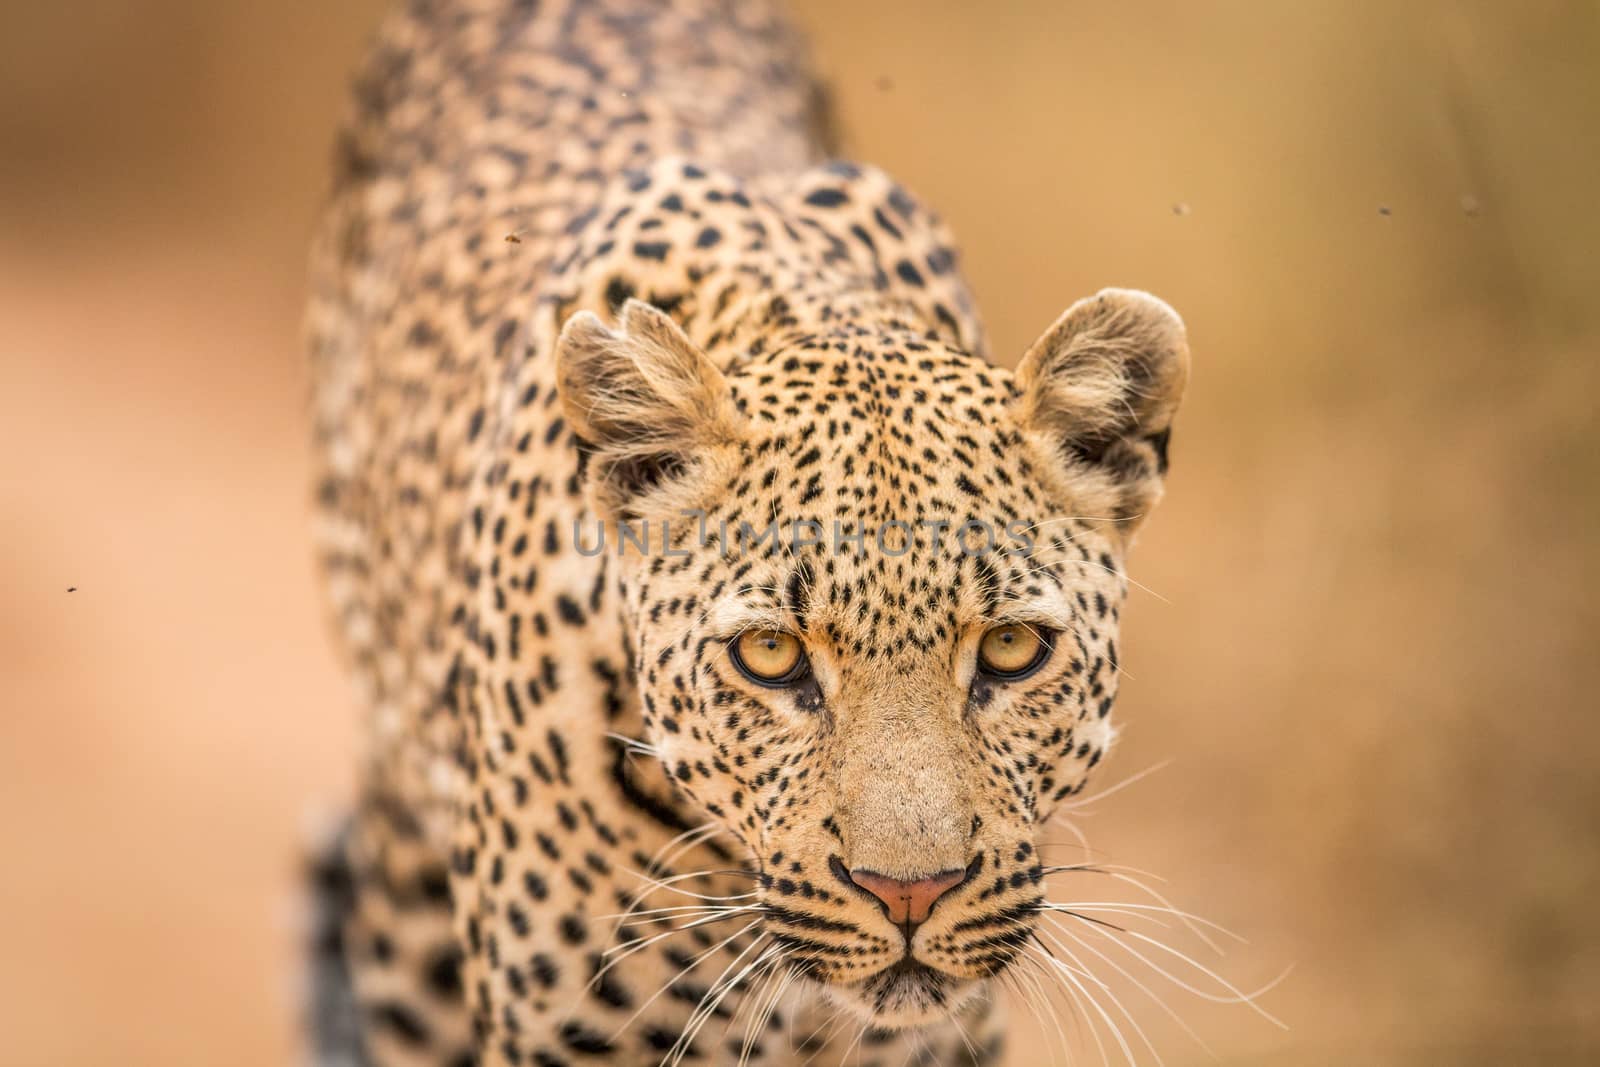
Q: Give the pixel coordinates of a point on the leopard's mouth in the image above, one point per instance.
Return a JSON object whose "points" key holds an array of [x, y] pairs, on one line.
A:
{"points": [[906, 993]]}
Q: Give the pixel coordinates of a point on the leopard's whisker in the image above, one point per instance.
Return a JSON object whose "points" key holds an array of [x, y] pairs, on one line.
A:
{"points": [[715, 995], [827, 1028], [658, 920], [662, 860], [1071, 975], [1077, 803], [1116, 1001], [1101, 868], [861, 1032], [1038, 996], [1051, 969], [768, 1004], [1235, 996], [966, 1039], [668, 885], [1084, 913], [1122, 906], [634, 744], [622, 952], [1044, 976], [640, 895], [1009, 984], [1074, 829], [1124, 873], [670, 982], [1162, 1004], [678, 909], [1055, 963], [1192, 926], [757, 1015]]}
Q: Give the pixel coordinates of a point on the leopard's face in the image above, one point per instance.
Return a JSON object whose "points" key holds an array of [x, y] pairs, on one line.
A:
{"points": [[874, 617]]}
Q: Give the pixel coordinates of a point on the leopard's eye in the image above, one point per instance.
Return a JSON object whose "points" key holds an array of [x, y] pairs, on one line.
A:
{"points": [[768, 657], [1012, 651]]}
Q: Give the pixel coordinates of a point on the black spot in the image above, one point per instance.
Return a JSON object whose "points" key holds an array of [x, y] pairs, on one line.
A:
{"points": [[656, 250], [580, 1038], [605, 986], [569, 610], [618, 292], [402, 1022], [545, 971], [902, 203], [433, 883], [558, 749], [660, 1038], [443, 973], [908, 273], [827, 197]]}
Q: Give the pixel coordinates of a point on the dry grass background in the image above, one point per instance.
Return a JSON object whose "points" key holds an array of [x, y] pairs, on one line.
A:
{"points": [[1375, 663]]}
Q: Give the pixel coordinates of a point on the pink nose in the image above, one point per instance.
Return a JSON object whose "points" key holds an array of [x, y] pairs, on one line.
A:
{"points": [[908, 902]]}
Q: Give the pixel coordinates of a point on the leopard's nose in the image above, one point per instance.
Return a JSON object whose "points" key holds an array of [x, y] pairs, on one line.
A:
{"points": [[908, 903]]}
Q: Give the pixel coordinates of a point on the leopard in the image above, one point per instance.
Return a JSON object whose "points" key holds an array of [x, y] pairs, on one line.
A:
{"points": [[724, 624]]}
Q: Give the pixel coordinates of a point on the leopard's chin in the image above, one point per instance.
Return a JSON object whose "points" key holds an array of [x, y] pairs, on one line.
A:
{"points": [[906, 994]]}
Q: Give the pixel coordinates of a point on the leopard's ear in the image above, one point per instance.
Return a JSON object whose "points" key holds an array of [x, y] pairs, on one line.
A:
{"points": [[1100, 390], [648, 407]]}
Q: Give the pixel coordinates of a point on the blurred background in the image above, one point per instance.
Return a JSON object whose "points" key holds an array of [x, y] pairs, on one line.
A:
{"points": [[1372, 662]]}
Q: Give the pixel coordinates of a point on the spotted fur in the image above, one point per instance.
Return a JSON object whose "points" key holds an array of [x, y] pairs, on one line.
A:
{"points": [[587, 264]]}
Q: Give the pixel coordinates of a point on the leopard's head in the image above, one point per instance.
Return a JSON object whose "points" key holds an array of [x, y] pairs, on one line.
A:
{"points": [[879, 642]]}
